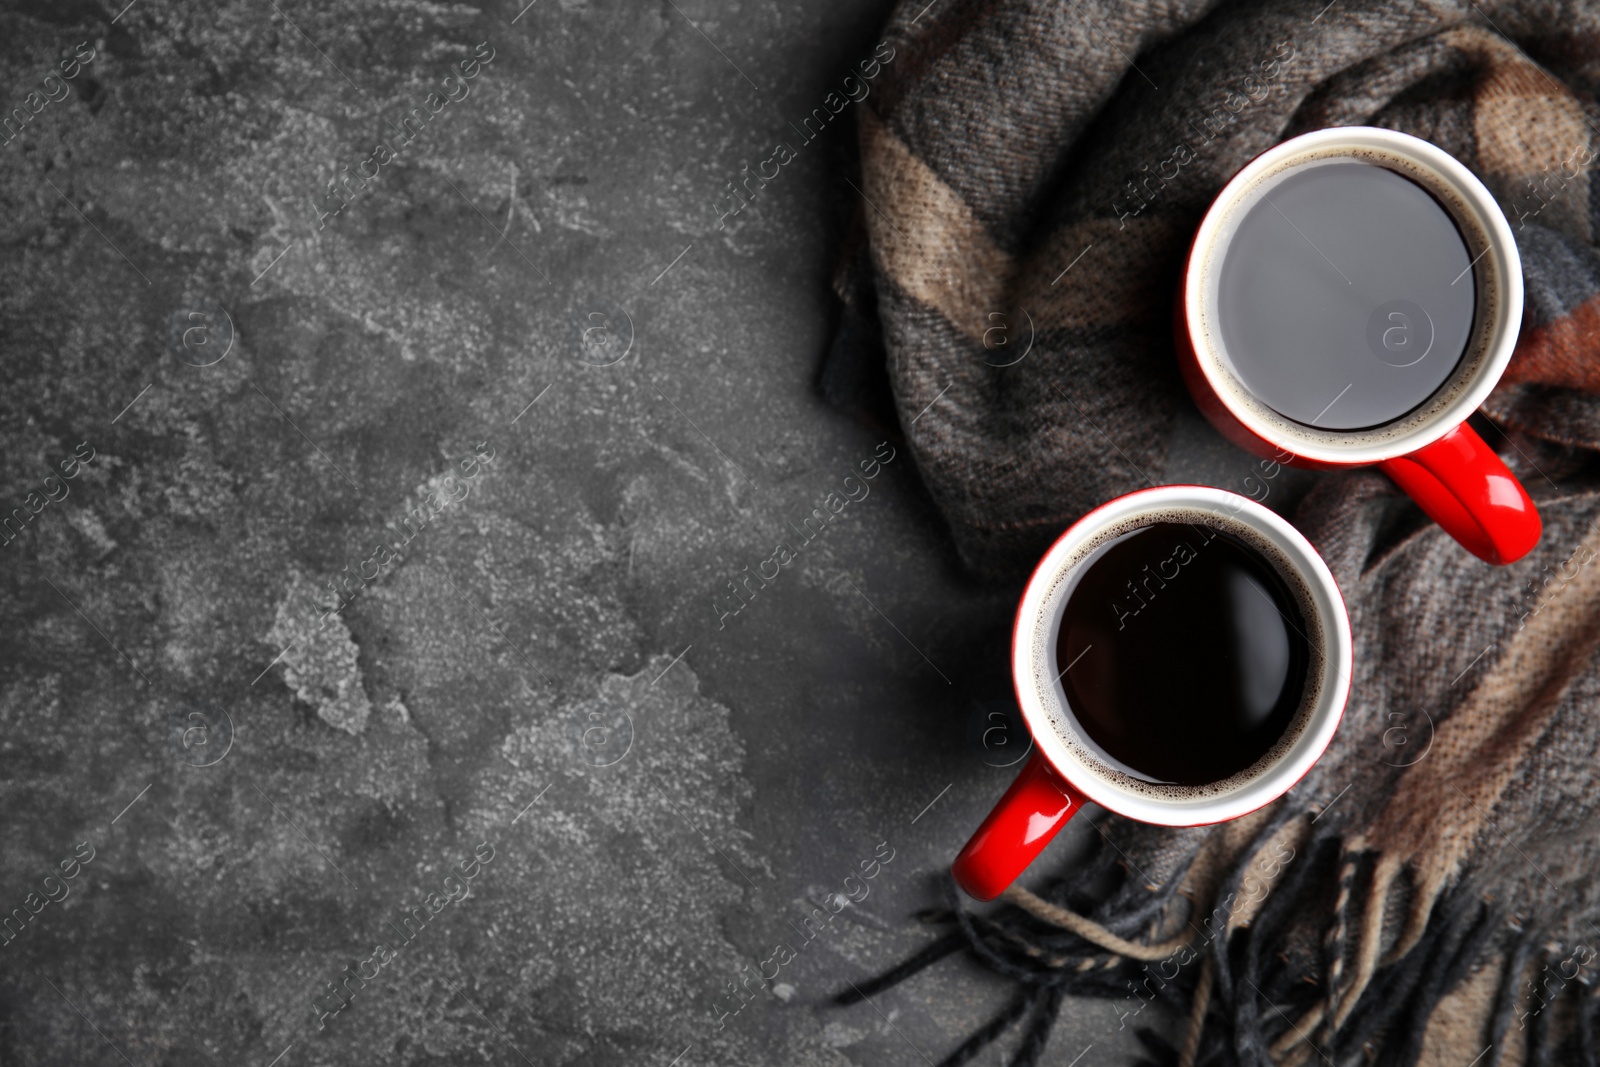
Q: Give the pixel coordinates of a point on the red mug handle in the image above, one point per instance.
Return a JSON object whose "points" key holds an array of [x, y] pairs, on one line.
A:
{"points": [[1463, 486], [1038, 804]]}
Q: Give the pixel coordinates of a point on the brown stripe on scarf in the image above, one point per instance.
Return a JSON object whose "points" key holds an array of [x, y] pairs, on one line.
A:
{"points": [[925, 238], [1527, 125], [1562, 352], [1455, 1033]]}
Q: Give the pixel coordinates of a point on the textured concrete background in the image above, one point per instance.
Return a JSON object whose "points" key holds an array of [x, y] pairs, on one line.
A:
{"points": [[542, 673]]}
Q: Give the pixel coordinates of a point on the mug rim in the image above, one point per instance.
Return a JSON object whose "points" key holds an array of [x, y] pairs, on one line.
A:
{"points": [[1056, 566], [1500, 252]]}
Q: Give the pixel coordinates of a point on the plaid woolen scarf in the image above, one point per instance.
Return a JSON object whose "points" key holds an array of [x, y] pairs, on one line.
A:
{"points": [[1429, 891]]}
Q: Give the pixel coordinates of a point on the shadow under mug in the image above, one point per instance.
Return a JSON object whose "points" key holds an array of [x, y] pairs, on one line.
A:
{"points": [[1066, 770], [1430, 451]]}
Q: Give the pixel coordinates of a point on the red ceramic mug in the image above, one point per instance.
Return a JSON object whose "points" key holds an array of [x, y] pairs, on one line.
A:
{"points": [[1067, 768], [1429, 451]]}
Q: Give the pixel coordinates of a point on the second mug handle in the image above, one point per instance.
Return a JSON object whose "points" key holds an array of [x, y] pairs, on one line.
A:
{"points": [[1465, 488], [1038, 804]]}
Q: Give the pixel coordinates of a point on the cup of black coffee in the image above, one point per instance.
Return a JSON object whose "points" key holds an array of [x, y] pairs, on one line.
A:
{"points": [[1351, 297], [1181, 656]]}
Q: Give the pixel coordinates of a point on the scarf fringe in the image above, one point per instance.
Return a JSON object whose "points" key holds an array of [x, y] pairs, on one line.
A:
{"points": [[1256, 997]]}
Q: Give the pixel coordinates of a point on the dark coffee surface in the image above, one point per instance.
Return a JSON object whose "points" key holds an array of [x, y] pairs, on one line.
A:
{"points": [[1345, 297], [1183, 653]]}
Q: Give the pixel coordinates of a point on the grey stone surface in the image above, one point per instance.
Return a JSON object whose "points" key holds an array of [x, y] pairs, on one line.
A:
{"points": [[542, 672]]}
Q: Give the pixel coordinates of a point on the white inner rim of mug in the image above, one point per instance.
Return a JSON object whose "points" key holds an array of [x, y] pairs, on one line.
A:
{"points": [[1497, 275], [1043, 697]]}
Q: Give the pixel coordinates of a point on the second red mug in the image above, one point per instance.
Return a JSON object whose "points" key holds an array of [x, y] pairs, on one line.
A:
{"points": [[1069, 766], [1428, 450]]}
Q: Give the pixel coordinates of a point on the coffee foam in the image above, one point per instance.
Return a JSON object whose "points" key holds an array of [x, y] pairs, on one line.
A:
{"points": [[1052, 694], [1485, 275]]}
